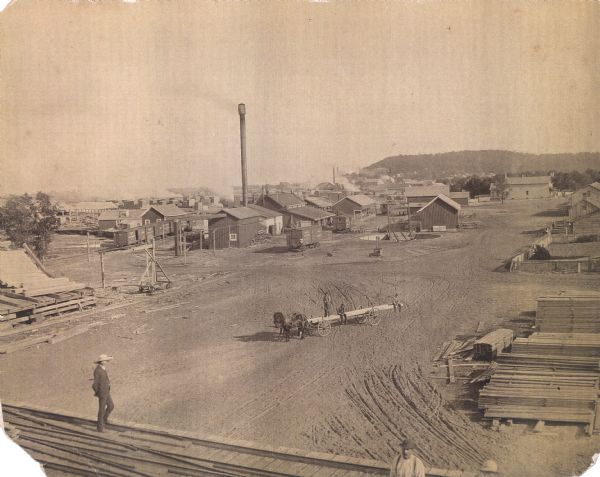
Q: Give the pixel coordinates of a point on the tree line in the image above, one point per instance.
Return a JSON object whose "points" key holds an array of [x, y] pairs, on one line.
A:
{"points": [[30, 220]]}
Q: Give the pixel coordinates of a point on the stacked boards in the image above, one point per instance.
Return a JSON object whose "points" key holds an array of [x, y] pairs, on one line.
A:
{"points": [[554, 374], [568, 314], [21, 273]]}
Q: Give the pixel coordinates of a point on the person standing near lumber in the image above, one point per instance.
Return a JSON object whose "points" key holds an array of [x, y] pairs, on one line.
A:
{"points": [[326, 304], [101, 389], [407, 464], [396, 303], [342, 312]]}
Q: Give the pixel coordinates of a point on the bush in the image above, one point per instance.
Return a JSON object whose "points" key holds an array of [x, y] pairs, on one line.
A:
{"points": [[540, 253]]}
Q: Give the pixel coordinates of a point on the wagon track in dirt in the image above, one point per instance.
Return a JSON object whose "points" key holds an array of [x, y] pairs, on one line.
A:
{"points": [[397, 404]]}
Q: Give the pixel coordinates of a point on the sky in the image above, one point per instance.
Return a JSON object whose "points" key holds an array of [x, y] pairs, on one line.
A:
{"points": [[130, 98]]}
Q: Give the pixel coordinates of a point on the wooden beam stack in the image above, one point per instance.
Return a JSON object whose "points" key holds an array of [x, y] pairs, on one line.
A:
{"points": [[554, 374], [559, 344], [568, 314], [71, 445], [15, 308], [542, 394]]}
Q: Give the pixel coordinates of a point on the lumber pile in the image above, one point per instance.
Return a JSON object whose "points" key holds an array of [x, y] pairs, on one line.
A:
{"points": [[66, 306], [568, 314], [557, 363], [51, 337], [70, 445], [22, 273], [556, 344], [541, 395], [12, 304], [455, 349], [553, 374], [490, 345], [15, 308]]}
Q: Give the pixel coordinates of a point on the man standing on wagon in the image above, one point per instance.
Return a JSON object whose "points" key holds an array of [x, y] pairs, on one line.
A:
{"points": [[326, 304], [342, 312], [396, 303]]}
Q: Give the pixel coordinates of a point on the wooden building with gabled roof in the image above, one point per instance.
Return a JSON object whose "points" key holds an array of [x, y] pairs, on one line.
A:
{"points": [[440, 213]]}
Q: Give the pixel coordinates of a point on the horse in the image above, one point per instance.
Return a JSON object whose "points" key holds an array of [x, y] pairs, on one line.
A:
{"points": [[286, 323]]}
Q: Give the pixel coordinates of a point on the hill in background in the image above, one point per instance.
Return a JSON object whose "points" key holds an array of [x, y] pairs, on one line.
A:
{"points": [[448, 164]]}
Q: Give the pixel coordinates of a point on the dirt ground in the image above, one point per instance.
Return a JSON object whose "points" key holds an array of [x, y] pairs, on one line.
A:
{"points": [[204, 356]]}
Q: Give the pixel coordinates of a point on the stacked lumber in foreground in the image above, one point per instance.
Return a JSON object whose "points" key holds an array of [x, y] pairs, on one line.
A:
{"points": [[15, 308], [12, 305], [553, 374], [541, 394], [567, 344], [568, 314], [22, 273], [544, 361], [70, 445]]}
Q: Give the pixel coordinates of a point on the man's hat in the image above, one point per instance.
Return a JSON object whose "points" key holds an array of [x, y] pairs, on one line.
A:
{"points": [[102, 358]]}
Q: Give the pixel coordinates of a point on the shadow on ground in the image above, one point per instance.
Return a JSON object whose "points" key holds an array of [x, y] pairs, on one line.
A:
{"points": [[273, 250], [536, 232], [559, 212], [262, 336]]}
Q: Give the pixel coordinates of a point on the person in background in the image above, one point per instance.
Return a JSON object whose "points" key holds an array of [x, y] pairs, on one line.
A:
{"points": [[407, 464], [342, 312], [326, 304], [396, 303], [101, 389]]}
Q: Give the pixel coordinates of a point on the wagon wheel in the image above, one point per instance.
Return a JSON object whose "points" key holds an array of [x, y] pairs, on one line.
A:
{"points": [[324, 328], [373, 318]]}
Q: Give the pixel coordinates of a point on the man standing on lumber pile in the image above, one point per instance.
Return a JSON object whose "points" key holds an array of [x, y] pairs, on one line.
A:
{"points": [[407, 464], [101, 389]]}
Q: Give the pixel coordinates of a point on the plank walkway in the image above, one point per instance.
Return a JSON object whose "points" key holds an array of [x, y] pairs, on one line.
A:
{"points": [[71, 445]]}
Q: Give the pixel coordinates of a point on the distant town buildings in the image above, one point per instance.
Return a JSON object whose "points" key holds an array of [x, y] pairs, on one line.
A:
{"points": [[585, 201], [523, 187]]}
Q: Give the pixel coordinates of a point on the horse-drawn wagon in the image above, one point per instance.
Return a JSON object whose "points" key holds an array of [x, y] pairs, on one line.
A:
{"points": [[321, 325]]}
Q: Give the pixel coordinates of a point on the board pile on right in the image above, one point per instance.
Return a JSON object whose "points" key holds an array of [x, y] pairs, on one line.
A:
{"points": [[553, 374]]}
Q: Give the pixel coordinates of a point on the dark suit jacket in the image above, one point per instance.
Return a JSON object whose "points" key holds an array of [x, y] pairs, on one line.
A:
{"points": [[101, 384]]}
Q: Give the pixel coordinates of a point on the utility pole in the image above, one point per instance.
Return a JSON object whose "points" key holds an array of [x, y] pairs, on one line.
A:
{"points": [[88, 247], [153, 269], [388, 217], [102, 270]]}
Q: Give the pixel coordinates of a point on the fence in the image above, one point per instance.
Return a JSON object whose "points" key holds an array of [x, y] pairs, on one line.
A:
{"points": [[518, 260], [566, 265], [522, 263]]}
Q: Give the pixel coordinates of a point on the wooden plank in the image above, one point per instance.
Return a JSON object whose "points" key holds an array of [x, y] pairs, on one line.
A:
{"points": [[451, 377], [57, 338], [36, 260], [23, 344]]}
